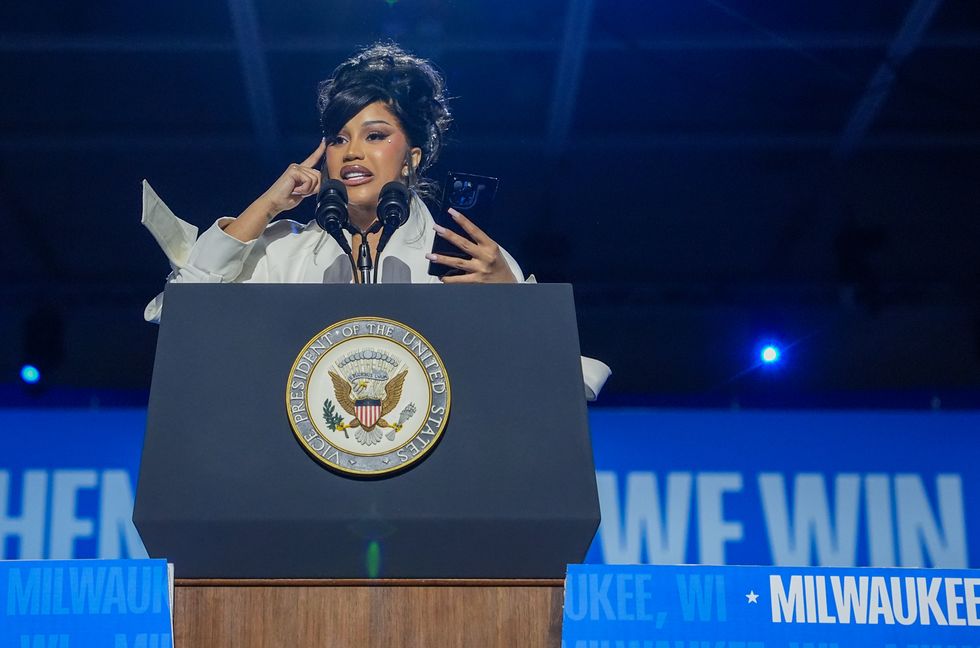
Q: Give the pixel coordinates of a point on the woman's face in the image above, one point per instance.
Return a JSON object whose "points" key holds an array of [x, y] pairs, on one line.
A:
{"points": [[370, 151]]}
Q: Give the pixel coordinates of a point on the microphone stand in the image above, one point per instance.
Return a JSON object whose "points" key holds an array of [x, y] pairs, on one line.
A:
{"points": [[364, 261]]}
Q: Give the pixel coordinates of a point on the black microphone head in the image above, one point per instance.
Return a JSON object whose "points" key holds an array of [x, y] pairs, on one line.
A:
{"points": [[393, 204], [331, 206], [334, 185]]}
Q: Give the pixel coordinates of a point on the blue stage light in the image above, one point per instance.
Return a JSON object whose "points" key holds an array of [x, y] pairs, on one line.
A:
{"points": [[769, 354], [30, 374]]}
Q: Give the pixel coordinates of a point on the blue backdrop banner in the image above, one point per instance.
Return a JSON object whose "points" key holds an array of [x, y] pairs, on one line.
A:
{"points": [[67, 480], [787, 488], [617, 606], [884, 489]]}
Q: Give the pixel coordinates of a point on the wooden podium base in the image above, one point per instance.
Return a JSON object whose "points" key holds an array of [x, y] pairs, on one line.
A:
{"points": [[425, 613]]}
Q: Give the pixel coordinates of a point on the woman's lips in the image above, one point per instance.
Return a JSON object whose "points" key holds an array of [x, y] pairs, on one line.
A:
{"points": [[355, 175], [357, 180]]}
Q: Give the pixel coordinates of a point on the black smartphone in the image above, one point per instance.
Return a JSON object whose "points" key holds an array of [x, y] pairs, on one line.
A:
{"points": [[473, 196]]}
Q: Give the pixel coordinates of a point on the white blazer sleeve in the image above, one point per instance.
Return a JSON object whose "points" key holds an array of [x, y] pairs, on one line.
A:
{"points": [[595, 373], [214, 257]]}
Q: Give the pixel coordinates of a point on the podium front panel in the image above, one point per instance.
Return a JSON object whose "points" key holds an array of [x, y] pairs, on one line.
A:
{"points": [[226, 489]]}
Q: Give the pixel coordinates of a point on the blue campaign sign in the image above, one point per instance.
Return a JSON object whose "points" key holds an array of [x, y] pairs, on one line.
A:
{"points": [[63, 603], [884, 489], [637, 606]]}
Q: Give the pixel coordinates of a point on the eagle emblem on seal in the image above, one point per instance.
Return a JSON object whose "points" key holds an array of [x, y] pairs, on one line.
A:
{"points": [[367, 385]]}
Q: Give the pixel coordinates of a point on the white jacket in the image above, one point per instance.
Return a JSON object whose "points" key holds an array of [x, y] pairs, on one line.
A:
{"points": [[290, 252]]}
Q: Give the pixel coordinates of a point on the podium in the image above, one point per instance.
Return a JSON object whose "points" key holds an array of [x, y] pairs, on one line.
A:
{"points": [[507, 497]]}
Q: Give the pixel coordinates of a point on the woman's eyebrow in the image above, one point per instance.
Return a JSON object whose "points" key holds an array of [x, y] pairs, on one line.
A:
{"points": [[373, 122]]}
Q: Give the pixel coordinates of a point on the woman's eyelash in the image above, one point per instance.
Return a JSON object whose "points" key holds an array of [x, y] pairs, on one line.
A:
{"points": [[373, 136]]}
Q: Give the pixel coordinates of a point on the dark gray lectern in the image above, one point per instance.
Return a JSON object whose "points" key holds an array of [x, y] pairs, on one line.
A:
{"points": [[227, 491]]}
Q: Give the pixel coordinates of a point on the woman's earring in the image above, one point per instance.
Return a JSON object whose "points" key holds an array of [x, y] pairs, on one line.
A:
{"points": [[405, 171]]}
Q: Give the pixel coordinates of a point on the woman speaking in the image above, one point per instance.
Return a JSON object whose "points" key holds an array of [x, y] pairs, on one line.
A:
{"points": [[384, 115]]}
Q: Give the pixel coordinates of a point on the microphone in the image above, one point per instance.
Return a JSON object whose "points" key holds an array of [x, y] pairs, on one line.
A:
{"points": [[331, 214], [331, 211], [392, 213], [392, 210], [393, 205]]}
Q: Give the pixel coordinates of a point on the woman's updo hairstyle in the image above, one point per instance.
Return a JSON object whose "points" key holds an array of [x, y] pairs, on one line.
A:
{"points": [[411, 88]]}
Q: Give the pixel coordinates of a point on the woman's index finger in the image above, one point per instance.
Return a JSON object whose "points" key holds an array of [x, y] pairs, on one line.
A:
{"points": [[311, 162]]}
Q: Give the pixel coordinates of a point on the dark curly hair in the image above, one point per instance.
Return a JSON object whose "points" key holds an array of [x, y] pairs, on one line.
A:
{"points": [[410, 86]]}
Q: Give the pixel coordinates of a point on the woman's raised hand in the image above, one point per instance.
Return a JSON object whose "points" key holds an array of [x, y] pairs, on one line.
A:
{"points": [[488, 264], [296, 183]]}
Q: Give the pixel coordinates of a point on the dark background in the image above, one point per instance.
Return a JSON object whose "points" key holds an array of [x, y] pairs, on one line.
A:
{"points": [[709, 174]]}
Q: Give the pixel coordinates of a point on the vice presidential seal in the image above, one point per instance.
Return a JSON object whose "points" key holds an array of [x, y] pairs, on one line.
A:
{"points": [[368, 396]]}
